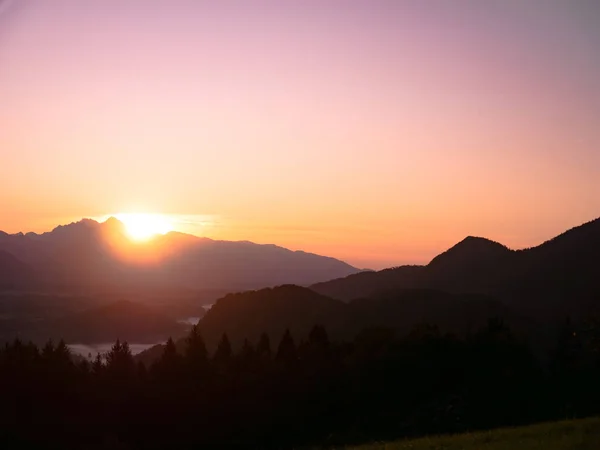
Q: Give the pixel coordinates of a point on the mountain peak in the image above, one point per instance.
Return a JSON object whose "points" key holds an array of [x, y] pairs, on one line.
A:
{"points": [[112, 220], [472, 248], [480, 241], [113, 224]]}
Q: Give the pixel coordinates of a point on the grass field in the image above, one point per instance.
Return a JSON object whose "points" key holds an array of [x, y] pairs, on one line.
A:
{"points": [[567, 435]]}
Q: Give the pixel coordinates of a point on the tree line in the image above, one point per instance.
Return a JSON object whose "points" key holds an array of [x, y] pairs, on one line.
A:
{"points": [[295, 393]]}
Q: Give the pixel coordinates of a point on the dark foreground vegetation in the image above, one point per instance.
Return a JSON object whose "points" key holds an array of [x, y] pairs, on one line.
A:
{"points": [[582, 434], [290, 394]]}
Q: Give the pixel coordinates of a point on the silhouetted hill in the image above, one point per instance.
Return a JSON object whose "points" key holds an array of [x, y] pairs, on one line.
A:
{"points": [[91, 254], [366, 284], [561, 276], [272, 310], [568, 263], [123, 319], [469, 254], [472, 265], [456, 313], [247, 315]]}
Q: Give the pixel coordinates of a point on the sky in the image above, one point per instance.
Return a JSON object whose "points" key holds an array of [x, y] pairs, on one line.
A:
{"points": [[380, 132]]}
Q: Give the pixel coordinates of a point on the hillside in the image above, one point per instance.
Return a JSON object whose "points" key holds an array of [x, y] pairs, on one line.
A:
{"points": [[272, 310], [247, 315], [123, 320], [555, 278], [582, 434]]}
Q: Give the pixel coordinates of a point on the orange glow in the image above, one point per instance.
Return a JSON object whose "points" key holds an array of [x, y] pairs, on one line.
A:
{"points": [[381, 133], [141, 227]]}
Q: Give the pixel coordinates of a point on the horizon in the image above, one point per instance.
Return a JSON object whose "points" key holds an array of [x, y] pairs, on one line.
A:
{"points": [[148, 237], [377, 133]]}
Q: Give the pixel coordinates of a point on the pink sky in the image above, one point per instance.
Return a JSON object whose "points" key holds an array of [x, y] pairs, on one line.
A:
{"points": [[379, 132]]}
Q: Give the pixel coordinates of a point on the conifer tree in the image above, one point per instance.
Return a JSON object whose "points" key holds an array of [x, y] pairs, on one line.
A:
{"points": [[196, 355], [286, 352], [264, 346], [224, 352]]}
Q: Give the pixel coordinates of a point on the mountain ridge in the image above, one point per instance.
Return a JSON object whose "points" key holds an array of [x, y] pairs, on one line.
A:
{"points": [[90, 253], [537, 277]]}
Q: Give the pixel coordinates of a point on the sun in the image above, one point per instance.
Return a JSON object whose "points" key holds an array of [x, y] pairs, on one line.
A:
{"points": [[141, 227]]}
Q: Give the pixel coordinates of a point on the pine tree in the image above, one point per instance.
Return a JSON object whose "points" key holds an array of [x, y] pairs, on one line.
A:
{"points": [[141, 372], [224, 352], [62, 354], [97, 365], [247, 349], [48, 350], [264, 346], [119, 361], [168, 368], [170, 356], [196, 355], [84, 367], [317, 350], [286, 352], [247, 355], [318, 337]]}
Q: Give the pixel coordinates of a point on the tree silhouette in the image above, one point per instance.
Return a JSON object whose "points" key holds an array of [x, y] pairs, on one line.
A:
{"points": [[97, 365], [196, 355], [223, 353], [263, 349], [48, 350], [169, 366], [318, 337], [317, 392], [286, 351], [119, 362], [62, 354], [170, 357]]}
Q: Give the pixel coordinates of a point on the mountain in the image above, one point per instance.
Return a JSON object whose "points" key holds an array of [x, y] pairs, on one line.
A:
{"points": [[472, 265], [13, 272], [560, 276], [469, 266], [88, 254]]}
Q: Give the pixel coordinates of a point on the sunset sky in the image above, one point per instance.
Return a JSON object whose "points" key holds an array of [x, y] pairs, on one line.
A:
{"points": [[378, 132]]}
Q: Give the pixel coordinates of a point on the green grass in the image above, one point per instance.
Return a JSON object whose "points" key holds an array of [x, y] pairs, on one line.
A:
{"points": [[567, 435]]}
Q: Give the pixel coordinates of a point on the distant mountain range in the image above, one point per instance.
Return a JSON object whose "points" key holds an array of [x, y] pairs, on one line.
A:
{"points": [[89, 254], [532, 289]]}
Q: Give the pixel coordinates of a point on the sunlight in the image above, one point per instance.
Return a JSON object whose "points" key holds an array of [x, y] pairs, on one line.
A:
{"points": [[141, 227]]}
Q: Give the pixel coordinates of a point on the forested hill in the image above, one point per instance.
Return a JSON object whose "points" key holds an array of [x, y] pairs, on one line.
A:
{"points": [[247, 315]]}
